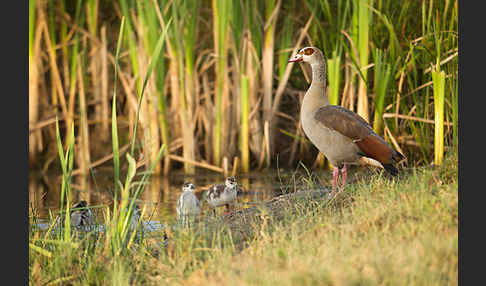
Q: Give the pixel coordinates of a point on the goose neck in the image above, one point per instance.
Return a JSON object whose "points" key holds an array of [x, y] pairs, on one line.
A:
{"points": [[319, 74]]}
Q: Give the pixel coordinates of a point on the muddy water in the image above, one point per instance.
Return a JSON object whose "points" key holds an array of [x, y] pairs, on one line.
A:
{"points": [[162, 192]]}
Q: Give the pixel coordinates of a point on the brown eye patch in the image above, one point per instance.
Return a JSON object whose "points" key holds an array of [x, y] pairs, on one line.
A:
{"points": [[308, 51]]}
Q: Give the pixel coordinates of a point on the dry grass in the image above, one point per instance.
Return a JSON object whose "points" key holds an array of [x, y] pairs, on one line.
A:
{"points": [[192, 101], [379, 232]]}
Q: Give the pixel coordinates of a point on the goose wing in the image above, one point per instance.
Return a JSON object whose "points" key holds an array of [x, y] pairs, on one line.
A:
{"points": [[354, 127]]}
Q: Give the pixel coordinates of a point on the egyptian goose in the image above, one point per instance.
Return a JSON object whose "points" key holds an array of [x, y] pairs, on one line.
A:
{"points": [[187, 204], [81, 215], [341, 135], [222, 194], [136, 213]]}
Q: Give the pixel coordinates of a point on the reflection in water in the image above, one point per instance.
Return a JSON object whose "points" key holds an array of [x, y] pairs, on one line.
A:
{"points": [[160, 195]]}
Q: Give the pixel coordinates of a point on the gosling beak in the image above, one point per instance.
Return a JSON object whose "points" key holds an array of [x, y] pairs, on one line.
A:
{"points": [[296, 58]]}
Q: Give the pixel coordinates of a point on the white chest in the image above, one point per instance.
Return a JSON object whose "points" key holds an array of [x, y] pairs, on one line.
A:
{"points": [[218, 199], [336, 147]]}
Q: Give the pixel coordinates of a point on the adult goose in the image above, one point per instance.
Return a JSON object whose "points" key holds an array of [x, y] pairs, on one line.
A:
{"points": [[341, 135]]}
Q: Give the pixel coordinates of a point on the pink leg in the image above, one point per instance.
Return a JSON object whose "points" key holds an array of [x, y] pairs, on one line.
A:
{"points": [[335, 175], [344, 174], [226, 209]]}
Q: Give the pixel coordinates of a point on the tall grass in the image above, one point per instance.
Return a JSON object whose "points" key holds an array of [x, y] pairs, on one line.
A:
{"points": [[67, 163], [244, 144], [355, 237], [364, 21], [272, 9], [193, 96], [334, 76], [379, 231], [114, 127], [220, 9], [33, 78], [119, 232], [382, 74], [182, 39], [438, 78]]}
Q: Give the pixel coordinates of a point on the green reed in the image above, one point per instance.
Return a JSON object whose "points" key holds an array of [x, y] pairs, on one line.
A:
{"points": [[32, 10], [67, 162], [208, 68], [150, 18], [289, 248], [382, 77], [286, 40], [181, 42], [220, 10], [78, 18], [153, 61], [252, 24], [272, 9], [438, 77], [337, 15], [334, 76], [364, 20], [119, 230], [244, 133], [114, 126], [131, 42]]}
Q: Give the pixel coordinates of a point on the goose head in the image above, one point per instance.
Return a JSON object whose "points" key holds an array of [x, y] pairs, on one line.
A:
{"points": [[81, 204], [231, 182], [309, 55], [188, 187]]}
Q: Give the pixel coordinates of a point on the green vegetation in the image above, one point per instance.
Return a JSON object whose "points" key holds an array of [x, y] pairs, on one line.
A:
{"points": [[383, 57], [206, 81], [379, 231]]}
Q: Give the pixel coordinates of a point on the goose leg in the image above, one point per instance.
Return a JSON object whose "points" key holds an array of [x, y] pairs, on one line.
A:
{"points": [[344, 174], [226, 209], [335, 175]]}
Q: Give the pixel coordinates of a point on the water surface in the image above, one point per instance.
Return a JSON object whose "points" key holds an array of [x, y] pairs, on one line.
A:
{"points": [[161, 192]]}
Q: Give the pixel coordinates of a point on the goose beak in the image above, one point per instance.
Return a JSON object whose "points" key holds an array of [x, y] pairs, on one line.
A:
{"points": [[296, 58]]}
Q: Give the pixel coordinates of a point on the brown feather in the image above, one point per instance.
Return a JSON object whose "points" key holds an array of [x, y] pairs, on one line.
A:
{"points": [[376, 148], [344, 121], [354, 127], [215, 191]]}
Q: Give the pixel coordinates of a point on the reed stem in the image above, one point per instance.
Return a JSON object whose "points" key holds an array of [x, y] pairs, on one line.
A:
{"points": [[244, 133], [364, 20], [438, 77]]}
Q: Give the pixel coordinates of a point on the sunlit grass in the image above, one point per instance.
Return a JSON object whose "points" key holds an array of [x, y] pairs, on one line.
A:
{"points": [[400, 231], [380, 231]]}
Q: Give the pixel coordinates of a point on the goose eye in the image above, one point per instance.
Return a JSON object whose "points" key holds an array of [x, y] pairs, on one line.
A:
{"points": [[308, 51]]}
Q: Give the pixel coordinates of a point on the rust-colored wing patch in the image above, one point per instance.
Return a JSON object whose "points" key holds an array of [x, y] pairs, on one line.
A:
{"points": [[376, 148]]}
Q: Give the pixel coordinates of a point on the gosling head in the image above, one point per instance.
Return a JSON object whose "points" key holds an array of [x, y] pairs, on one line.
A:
{"points": [[309, 55], [81, 204], [231, 182], [188, 187]]}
